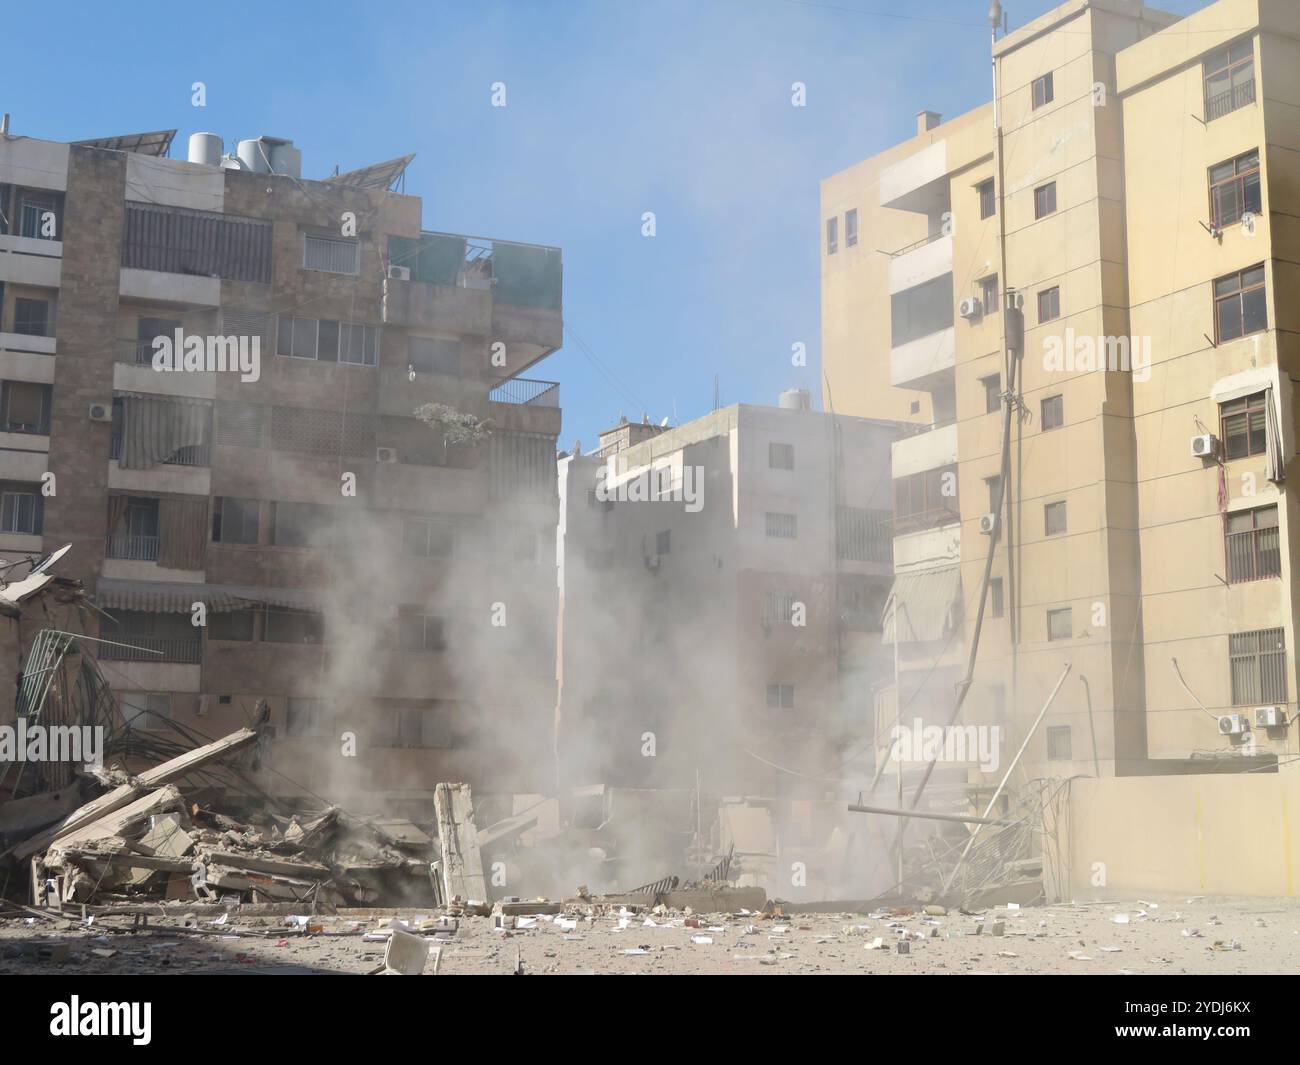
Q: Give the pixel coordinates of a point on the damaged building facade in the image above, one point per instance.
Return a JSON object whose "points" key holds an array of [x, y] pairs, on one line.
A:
{"points": [[286, 529]]}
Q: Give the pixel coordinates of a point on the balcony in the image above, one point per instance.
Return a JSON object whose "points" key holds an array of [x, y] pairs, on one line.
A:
{"points": [[181, 650], [1233, 99], [31, 261], [930, 449], [919, 182], [926, 363], [526, 391], [136, 548], [194, 455], [920, 262], [156, 286]]}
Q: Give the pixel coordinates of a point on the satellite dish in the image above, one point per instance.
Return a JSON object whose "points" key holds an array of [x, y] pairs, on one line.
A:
{"points": [[50, 559]]}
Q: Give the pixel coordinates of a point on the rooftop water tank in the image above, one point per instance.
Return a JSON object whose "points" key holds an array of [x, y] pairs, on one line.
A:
{"points": [[205, 149], [254, 155], [794, 399]]}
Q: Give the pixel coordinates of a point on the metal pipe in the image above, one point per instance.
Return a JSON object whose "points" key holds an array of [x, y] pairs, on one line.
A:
{"points": [[926, 815]]}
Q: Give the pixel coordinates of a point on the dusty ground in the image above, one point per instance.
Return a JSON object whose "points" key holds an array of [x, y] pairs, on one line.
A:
{"points": [[1158, 938]]}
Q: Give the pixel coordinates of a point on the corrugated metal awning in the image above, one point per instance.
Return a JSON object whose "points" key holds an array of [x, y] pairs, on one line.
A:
{"points": [[927, 603], [159, 597]]}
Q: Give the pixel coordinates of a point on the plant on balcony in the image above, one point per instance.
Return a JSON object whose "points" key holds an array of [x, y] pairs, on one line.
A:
{"points": [[456, 427]]}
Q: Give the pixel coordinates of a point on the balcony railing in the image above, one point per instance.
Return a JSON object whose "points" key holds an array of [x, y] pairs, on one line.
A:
{"points": [[1226, 102], [925, 520], [865, 535], [930, 239], [134, 352], [133, 547], [183, 650], [193, 455], [525, 391]]}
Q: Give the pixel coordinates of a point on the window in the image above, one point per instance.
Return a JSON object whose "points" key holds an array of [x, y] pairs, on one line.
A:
{"points": [[146, 710], [433, 355], [1258, 663], [1060, 625], [418, 631], [1251, 544], [1044, 199], [1234, 189], [327, 341], [38, 219], [780, 456], [1054, 518], [302, 525], [992, 393], [778, 607], [25, 407], [147, 331], [925, 500], [832, 235], [1239, 304], [994, 485], [1243, 426], [780, 696], [664, 542], [988, 200], [996, 606], [232, 625], [427, 726], [921, 310], [1058, 743], [782, 526], [1052, 412], [32, 317], [1049, 304], [850, 227], [235, 521], [427, 538], [1229, 76], [1043, 90], [331, 254], [305, 717], [21, 508], [294, 626], [989, 294]]}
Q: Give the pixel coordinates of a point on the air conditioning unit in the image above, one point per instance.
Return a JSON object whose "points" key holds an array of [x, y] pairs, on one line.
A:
{"points": [[1232, 724], [1204, 446], [988, 522], [385, 454], [970, 307], [399, 273], [101, 412], [1270, 717]]}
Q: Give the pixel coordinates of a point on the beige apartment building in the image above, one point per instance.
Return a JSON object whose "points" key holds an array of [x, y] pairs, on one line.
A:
{"points": [[293, 534], [721, 588], [1115, 236]]}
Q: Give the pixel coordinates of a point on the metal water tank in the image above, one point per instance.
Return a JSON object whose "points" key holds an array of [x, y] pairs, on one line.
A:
{"points": [[205, 149], [254, 155], [285, 158], [794, 399]]}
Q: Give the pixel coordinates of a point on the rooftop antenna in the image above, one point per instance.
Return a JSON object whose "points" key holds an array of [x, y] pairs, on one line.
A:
{"points": [[717, 392]]}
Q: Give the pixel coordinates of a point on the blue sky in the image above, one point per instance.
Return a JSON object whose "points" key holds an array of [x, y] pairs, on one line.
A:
{"points": [[614, 108]]}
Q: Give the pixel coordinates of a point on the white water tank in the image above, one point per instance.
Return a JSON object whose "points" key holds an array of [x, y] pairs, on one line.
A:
{"points": [[285, 158], [254, 155], [794, 399], [205, 149]]}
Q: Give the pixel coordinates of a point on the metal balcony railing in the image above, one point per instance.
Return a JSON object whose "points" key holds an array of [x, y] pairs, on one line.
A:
{"points": [[1233, 99], [194, 455], [133, 547], [184, 650], [525, 391], [930, 239], [923, 520]]}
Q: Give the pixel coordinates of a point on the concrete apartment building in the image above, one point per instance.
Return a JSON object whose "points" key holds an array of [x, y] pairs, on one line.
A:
{"points": [[1117, 228], [387, 590], [721, 592]]}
